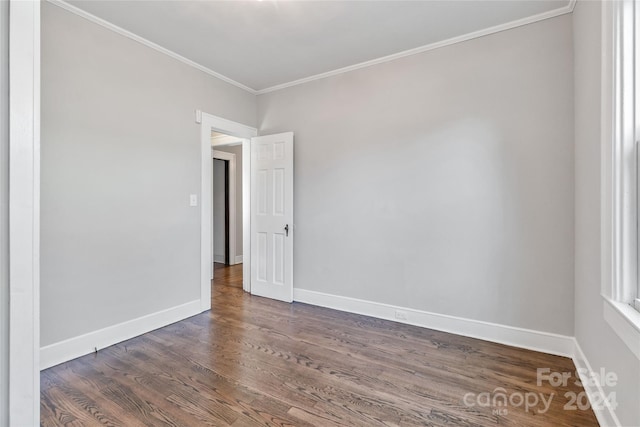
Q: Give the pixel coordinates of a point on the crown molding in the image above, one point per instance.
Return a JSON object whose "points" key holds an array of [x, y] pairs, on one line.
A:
{"points": [[432, 46], [128, 34]]}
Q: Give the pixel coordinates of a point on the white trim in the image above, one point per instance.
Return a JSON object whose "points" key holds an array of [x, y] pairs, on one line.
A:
{"points": [[4, 213], [625, 320], [24, 212], [231, 158], [619, 255], [219, 259], [606, 416], [206, 218], [209, 122], [128, 34], [72, 348], [622, 144], [476, 34], [432, 46], [238, 259], [546, 342], [246, 214], [229, 127]]}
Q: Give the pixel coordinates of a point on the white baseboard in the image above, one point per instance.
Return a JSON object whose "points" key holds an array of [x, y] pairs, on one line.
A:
{"points": [[546, 342], [606, 415], [72, 348], [220, 259], [562, 345]]}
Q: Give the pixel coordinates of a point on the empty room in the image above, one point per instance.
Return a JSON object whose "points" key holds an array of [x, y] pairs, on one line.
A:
{"points": [[319, 213]]}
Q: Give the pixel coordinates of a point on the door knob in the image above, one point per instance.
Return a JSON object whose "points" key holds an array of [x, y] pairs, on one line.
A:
{"points": [[286, 229]]}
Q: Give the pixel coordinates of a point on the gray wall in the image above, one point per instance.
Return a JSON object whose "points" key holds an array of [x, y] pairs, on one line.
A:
{"points": [[601, 345], [441, 181], [4, 212], [455, 166], [120, 156], [237, 150]]}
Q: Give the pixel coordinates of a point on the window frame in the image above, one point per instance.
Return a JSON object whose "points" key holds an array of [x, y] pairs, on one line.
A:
{"points": [[620, 177]]}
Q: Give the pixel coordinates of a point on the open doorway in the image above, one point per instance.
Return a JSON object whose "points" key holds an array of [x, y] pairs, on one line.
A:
{"points": [[227, 209], [221, 218], [226, 133]]}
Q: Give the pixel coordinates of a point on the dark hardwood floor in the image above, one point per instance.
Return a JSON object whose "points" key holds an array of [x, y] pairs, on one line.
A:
{"points": [[252, 361]]}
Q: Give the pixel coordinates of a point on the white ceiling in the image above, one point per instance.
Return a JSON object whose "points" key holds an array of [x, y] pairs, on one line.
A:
{"points": [[262, 44]]}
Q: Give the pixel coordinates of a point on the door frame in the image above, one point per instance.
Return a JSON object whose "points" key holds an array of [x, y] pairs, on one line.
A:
{"points": [[209, 122], [231, 158], [24, 214]]}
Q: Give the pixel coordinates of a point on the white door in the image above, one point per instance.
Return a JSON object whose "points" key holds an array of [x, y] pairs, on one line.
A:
{"points": [[272, 216]]}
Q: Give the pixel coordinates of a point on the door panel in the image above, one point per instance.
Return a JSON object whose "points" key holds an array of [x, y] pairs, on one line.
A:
{"points": [[272, 218]]}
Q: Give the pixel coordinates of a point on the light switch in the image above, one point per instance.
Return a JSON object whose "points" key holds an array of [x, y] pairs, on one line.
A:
{"points": [[193, 200]]}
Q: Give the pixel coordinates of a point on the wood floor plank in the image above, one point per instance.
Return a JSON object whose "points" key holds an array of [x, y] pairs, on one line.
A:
{"points": [[78, 410], [251, 361], [228, 399]]}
